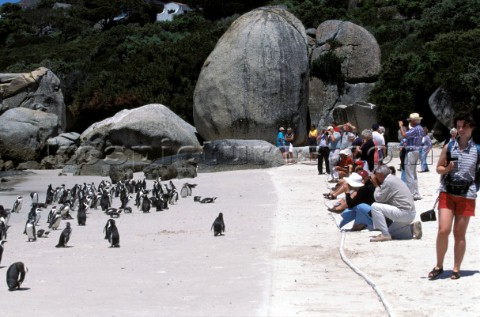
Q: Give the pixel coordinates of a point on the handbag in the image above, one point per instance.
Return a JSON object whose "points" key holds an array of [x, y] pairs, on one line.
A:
{"points": [[429, 215]]}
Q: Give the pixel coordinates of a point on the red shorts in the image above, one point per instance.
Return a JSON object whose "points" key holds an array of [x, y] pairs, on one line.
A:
{"points": [[459, 205]]}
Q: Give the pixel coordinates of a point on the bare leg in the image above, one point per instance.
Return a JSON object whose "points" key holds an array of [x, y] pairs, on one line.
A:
{"points": [[459, 229], [444, 228]]}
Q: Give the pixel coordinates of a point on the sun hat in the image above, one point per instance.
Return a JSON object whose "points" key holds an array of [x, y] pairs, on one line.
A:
{"points": [[282, 129], [354, 180], [414, 116], [329, 128], [346, 152]]}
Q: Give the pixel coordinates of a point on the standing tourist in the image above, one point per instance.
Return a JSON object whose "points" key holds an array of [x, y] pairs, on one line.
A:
{"points": [[457, 166], [334, 154], [323, 152], [281, 141], [424, 150], [412, 147], [312, 141], [289, 137]]}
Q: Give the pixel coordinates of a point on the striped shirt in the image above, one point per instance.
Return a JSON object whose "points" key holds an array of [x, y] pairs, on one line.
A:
{"points": [[465, 168], [414, 138]]}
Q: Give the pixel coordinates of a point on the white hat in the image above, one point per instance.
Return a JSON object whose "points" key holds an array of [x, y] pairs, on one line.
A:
{"points": [[346, 152], [282, 129], [414, 116], [354, 180], [329, 128]]}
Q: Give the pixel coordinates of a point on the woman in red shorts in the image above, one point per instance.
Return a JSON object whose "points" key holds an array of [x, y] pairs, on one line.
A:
{"points": [[457, 166]]}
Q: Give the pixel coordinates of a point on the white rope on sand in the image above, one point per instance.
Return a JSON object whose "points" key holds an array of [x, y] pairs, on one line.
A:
{"points": [[370, 282]]}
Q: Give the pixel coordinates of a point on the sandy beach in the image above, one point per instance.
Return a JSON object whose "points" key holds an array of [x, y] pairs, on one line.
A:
{"points": [[282, 255]]}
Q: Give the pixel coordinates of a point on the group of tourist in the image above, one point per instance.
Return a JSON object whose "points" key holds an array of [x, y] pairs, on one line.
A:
{"points": [[374, 198]]}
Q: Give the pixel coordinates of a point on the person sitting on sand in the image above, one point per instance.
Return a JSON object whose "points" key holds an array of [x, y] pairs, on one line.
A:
{"points": [[393, 200], [345, 165], [357, 202]]}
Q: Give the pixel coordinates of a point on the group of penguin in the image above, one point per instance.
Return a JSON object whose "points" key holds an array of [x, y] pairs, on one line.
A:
{"points": [[83, 198]]}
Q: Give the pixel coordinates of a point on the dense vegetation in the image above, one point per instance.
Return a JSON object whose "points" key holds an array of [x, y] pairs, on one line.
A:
{"points": [[112, 65]]}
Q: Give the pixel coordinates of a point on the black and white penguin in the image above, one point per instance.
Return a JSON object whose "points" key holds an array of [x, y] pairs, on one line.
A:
{"points": [[55, 221], [146, 203], [1, 249], [64, 236], [38, 215], [34, 197], [50, 194], [42, 233], [111, 233], [184, 191], [105, 201], [65, 210], [3, 229], [5, 214], [51, 214], [113, 212], [218, 225], [30, 230], [16, 275], [82, 214], [208, 200], [17, 205]]}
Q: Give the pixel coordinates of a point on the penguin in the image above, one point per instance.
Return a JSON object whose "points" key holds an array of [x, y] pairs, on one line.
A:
{"points": [[50, 194], [146, 204], [38, 215], [17, 205], [197, 198], [16, 275], [34, 197], [5, 213], [113, 212], [111, 233], [3, 229], [65, 210], [51, 214], [64, 236], [208, 200], [30, 230], [82, 214], [105, 201], [42, 233], [184, 191], [56, 219], [1, 249], [218, 225]]}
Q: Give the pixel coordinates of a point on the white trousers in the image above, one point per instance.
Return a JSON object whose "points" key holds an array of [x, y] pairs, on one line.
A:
{"points": [[400, 228], [411, 163]]}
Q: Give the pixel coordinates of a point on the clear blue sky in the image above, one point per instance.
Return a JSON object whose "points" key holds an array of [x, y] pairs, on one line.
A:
{"points": [[5, 1]]}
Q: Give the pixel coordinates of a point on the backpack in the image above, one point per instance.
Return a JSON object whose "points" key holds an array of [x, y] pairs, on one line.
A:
{"points": [[477, 172]]}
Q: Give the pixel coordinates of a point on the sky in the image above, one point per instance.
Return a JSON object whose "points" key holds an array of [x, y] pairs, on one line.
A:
{"points": [[5, 1]]}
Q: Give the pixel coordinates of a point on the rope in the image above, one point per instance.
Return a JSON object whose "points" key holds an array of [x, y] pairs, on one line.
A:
{"points": [[367, 279]]}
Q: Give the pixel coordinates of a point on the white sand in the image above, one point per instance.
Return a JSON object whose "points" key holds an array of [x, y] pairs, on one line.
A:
{"points": [[279, 256]]}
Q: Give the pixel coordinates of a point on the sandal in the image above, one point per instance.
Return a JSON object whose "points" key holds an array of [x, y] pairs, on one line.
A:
{"points": [[455, 275], [334, 210], [433, 275], [331, 197], [326, 195]]}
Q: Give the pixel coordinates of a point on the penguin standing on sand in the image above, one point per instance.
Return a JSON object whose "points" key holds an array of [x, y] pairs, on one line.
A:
{"points": [[1, 249], [105, 201], [30, 230], [111, 233], [64, 236], [15, 275], [34, 197], [82, 214], [49, 196], [5, 213], [17, 205], [3, 229], [55, 221], [218, 225]]}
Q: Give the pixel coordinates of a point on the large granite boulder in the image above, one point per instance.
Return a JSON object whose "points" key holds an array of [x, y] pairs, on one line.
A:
{"points": [[24, 133], [226, 155], [360, 114], [255, 80], [37, 90], [153, 130], [360, 58], [440, 103]]}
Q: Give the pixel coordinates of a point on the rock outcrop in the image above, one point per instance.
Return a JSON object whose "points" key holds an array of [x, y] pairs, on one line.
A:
{"points": [[24, 133], [37, 90], [360, 58], [255, 80], [152, 130]]}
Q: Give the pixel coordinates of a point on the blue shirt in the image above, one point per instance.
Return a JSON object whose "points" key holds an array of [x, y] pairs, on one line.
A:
{"points": [[333, 145], [280, 139], [414, 138]]}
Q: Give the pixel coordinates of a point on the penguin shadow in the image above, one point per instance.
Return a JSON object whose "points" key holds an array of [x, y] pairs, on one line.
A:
{"points": [[65, 247], [2, 266], [21, 289]]}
